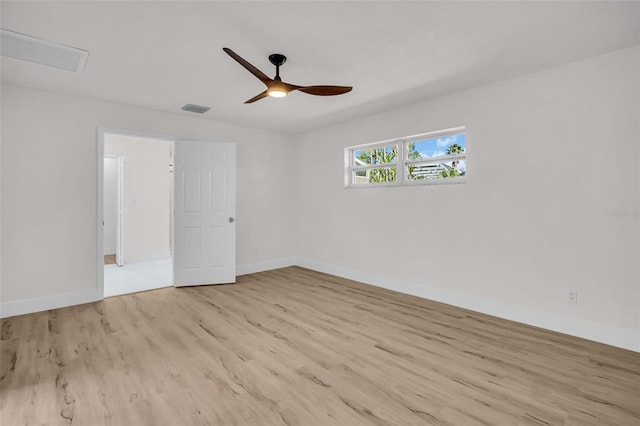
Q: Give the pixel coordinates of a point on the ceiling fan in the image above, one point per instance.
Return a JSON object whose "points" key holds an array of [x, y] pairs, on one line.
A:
{"points": [[278, 88]]}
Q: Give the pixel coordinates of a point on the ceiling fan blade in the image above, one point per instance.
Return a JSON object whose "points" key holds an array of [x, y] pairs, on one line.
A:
{"points": [[324, 90], [253, 70], [257, 97]]}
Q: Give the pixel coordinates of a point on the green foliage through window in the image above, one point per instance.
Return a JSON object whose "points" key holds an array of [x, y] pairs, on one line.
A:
{"points": [[386, 155], [420, 159]]}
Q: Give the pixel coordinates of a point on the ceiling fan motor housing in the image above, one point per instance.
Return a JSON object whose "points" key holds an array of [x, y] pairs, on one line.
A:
{"points": [[277, 59]]}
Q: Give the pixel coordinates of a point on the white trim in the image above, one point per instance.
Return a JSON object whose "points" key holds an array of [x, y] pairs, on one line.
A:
{"points": [[434, 134], [265, 266], [614, 336], [448, 181], [28, 306], [121, 194], [435, 160], [375, 166], [408, 183], [100, 213]]}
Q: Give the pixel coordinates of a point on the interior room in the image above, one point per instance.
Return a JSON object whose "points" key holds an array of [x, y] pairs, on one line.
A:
{"points": [[137, 213], [385, 213]]}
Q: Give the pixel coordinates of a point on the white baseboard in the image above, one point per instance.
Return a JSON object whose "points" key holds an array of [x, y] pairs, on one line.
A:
{"points": [[265, 266], [614, 336], [109, 250], [28, 306]]}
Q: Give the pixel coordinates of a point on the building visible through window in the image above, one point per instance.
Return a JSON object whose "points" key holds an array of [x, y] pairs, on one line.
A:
{"points": [[438, 157]]}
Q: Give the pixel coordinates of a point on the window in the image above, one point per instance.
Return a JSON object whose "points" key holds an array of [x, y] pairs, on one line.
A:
{"points": [[438, 157], [375, 164]]}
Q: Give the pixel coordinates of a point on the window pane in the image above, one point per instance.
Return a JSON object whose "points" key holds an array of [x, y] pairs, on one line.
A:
{"points": [[373, 176], [437, 147], [379, 155], [436, 170]]}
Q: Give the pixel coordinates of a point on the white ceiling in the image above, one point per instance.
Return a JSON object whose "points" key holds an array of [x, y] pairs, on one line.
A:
{"points": [[162, 55]]}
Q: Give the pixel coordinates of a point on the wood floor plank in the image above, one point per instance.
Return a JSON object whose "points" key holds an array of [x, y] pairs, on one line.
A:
{"points": [[297, 347]]}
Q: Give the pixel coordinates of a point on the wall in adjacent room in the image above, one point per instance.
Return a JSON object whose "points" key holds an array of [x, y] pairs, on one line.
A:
{"points": [[49, 180], [110, 209], [550, 202], [147, 183]]}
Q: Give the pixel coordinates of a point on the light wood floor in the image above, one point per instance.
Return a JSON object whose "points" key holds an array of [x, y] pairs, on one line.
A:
{"points": [[295, 347], [109, 259]]}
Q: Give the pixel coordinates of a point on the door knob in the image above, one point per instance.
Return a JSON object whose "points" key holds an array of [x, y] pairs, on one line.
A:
{"points": [[231, 220]]}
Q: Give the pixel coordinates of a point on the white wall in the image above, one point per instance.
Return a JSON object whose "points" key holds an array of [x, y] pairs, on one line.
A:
{"points": [[147, 188], [110, 204], [49, 175], [548, 155]]}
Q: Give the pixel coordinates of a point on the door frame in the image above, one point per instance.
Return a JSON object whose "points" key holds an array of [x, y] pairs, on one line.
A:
{"points": [[102, 131]]}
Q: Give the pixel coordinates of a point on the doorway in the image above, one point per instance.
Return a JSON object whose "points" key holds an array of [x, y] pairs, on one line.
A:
{"points": [[137, 206], [195, 243]]}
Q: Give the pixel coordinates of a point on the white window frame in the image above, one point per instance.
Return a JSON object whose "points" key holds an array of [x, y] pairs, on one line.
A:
{"points": [[402, 162]]}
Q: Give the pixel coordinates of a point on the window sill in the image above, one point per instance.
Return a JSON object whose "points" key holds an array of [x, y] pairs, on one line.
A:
{"points": [[429, 182]]}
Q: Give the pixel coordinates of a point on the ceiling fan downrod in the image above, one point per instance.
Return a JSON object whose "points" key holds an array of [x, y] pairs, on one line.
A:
{"points": [[277, 59]]}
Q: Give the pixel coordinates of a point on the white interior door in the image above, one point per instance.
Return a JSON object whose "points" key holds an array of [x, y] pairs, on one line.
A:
{"points": [[204, 222]]}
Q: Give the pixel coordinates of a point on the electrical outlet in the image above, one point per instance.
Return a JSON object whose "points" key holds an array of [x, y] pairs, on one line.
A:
{"points": [[573, 295]]}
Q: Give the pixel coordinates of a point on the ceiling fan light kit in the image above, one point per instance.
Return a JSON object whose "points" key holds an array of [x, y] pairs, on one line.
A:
{"points": [[277, 90], [276, 87]]}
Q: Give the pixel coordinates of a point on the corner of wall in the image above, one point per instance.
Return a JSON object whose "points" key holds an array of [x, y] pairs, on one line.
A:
{"points": [[614, 336], [265, 266]]}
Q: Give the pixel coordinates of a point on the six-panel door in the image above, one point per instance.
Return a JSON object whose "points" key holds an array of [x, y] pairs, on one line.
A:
{"points": [[204, 221]]}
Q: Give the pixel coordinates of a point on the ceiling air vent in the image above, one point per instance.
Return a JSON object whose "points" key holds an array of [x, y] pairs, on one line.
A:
{"points": [[31, 49], [199, 109]]}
